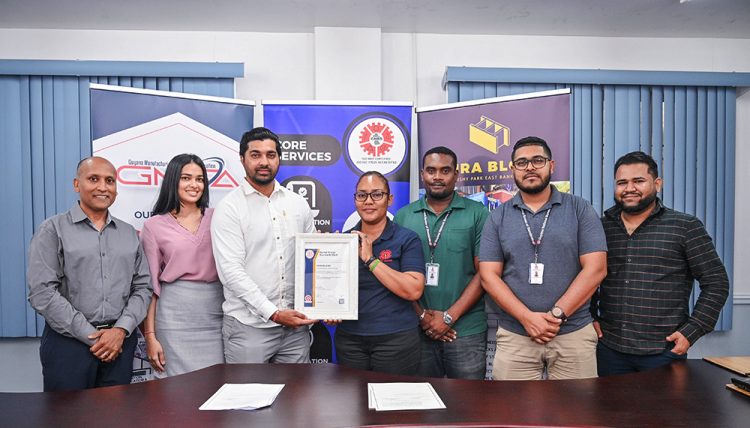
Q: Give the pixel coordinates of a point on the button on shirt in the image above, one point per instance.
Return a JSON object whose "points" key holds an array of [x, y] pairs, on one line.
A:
{"points": [[253, 244], [645, 296], [79, 276]]}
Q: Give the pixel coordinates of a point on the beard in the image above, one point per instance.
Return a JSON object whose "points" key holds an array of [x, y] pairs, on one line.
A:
{"points": [[533, 190], [641, 206], [263, 180], [441, 194]]}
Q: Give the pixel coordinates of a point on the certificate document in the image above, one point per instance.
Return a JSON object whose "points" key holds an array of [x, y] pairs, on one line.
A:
{"points": [[327, 275]]}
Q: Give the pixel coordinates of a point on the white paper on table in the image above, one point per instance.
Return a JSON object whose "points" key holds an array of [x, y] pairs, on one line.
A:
{"points": [[403, 396], [243, 396]]}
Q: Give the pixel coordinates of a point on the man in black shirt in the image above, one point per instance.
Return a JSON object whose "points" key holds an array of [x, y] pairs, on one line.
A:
{"points": [[655, 254]]}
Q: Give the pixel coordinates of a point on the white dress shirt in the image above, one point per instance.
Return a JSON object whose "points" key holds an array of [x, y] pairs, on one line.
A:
{"points": [[253, 244]]}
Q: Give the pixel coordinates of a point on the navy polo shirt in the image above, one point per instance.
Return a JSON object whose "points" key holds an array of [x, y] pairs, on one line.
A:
{"points": [[381, 311]]}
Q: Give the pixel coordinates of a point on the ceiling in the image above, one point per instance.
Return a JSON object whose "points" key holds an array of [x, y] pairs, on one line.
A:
{"points": [[607, 18]]}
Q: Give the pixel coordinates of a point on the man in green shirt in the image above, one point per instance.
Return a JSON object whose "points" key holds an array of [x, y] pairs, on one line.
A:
{"points": [[451, 310]]}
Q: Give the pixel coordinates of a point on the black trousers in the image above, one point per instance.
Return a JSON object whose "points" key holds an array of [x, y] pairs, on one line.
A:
{"points": [[397, 353], [67, 364]]}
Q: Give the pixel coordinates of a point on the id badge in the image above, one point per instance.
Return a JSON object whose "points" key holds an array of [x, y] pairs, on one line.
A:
{"points": [[536, 273], [433, 274]]}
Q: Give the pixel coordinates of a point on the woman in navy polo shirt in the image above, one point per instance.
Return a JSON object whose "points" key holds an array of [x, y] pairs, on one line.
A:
{"points": [[385, 338]]}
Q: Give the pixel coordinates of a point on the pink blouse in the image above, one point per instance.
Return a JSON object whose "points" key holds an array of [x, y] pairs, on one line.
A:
{"points": [[174, 253]]}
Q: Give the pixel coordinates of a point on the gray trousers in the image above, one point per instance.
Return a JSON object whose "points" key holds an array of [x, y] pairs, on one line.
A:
{"points": [[246, 344]]}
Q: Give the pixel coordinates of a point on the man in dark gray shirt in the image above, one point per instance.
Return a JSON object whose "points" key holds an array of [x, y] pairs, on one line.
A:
{"points": [[542, 255], [89, 279]]}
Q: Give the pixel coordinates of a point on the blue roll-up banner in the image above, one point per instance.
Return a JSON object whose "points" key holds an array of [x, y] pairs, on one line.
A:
{"points": [[140, 130], [326, 147]]}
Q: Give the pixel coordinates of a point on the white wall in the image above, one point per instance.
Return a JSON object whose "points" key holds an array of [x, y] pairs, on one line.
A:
{"points": [[283, 66]]}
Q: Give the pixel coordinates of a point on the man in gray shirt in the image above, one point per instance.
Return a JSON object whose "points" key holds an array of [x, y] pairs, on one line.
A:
{"points": [[89, 279], [542, 255]]}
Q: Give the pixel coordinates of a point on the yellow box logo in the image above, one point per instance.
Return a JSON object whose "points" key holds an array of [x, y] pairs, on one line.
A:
{"points": [[489, 134]]}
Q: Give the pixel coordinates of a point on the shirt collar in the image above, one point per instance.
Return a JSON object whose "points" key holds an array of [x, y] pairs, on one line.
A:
{"points": [[249, 189], [387, 232], [77, 215], [555, 198], [457, 202]]}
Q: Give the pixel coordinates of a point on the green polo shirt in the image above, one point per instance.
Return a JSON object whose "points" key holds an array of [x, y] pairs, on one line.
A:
{"points": [[455, 252]]}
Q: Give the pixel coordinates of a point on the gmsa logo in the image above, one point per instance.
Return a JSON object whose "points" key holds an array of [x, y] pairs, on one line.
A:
{"points": [[150, 174]]}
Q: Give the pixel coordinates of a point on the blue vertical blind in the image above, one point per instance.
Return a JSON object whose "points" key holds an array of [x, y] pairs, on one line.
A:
{"points": [[686, 121], [44, 132]]}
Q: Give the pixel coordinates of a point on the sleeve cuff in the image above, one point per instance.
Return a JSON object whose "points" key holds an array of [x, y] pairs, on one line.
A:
{"points": [[267, 310], [691, 332], [83, 335], [125, 325]]}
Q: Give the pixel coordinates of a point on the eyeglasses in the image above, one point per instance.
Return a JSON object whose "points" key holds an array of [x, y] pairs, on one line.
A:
{"points": [[376, 195], [536, 162]]}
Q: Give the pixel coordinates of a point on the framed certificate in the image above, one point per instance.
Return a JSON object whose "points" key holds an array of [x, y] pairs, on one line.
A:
{"points": [[326, 276]]}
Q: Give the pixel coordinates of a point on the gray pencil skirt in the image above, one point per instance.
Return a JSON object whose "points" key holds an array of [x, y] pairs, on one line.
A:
{"points": [[188, 325]]}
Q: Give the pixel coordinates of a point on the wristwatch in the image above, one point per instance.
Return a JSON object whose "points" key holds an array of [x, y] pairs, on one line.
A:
{"points": [[370, 260], [447, 318], [558, 313]]}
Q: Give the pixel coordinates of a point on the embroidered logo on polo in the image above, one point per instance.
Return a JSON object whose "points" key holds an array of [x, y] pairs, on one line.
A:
{"points": [[385, 256]]}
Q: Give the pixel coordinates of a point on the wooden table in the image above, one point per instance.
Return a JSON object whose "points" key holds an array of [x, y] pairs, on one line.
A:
{"points": [[689, 393]]}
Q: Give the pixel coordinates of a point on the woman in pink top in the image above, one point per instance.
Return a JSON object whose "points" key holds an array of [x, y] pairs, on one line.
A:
{"points": [[183, 324]]}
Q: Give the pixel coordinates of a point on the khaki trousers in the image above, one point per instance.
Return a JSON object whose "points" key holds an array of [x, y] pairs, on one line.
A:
{"points": [[567, 356]]}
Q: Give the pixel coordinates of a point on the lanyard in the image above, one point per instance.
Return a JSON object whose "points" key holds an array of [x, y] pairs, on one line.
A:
{"points": [[430, 242], [538, 242]]}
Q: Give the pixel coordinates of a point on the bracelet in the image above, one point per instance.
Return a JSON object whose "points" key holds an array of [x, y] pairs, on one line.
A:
{"points": [[148, 332], [374, 264], [421, 316]]}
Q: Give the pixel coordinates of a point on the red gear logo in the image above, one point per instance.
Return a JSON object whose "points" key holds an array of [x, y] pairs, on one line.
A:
{"points": [[376, 139], [385, 255]]}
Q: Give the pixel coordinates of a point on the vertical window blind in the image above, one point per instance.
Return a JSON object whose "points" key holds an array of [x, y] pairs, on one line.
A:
{"points": [[685, 120], [45, 131]]}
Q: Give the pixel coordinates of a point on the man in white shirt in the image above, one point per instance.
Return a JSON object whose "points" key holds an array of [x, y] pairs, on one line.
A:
{"points": [[253, 232]]}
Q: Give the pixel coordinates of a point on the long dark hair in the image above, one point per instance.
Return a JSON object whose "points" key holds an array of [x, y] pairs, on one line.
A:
{"points": [[168, 199]]}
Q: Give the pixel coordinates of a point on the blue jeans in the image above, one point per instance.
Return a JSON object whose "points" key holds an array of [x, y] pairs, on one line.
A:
{"points": [[611, 362], [464, 358]]}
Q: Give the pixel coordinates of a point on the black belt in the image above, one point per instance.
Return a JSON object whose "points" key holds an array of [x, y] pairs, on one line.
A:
{"points": [[104, 325]]}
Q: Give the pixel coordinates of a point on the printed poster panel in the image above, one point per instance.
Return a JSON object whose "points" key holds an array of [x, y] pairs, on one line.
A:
{"points": [[139, 131], [482, 133], [326, 147]]}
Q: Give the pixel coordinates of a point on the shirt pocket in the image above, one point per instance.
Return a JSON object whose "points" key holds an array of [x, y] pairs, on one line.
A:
{"points": [[458, 240]]}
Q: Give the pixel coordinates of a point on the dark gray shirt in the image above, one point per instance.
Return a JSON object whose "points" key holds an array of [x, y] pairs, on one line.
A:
{"points": [[573, 230], [79, 276]]}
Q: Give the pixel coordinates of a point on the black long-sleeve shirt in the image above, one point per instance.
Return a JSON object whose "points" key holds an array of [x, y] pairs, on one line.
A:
{"points": [[650, 275]]}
